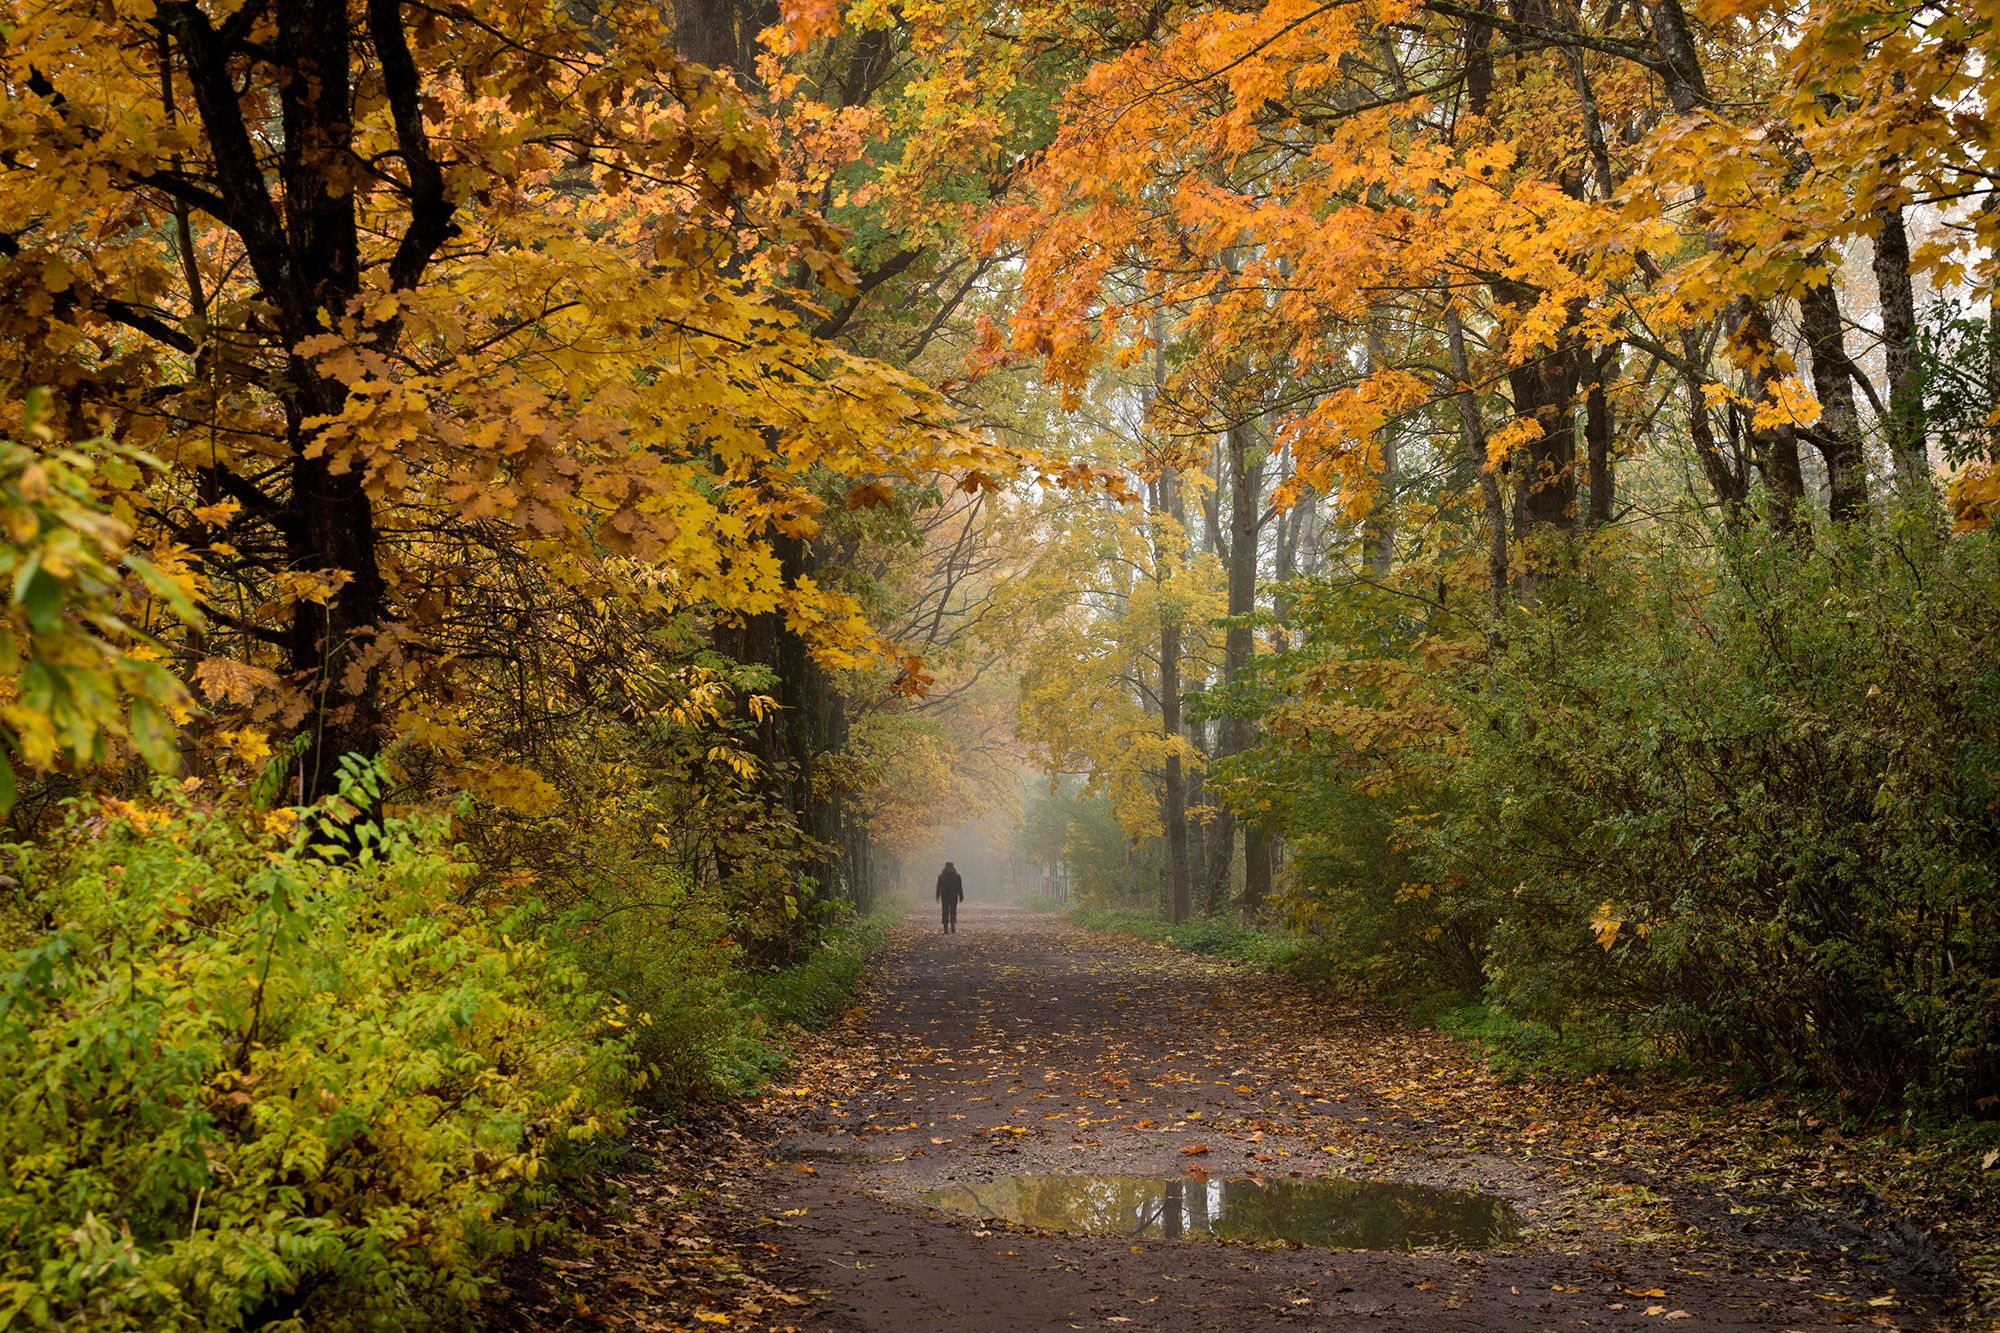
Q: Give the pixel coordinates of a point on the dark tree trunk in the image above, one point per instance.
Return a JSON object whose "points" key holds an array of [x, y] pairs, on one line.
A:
{"points": [[1238, 643], [1257, 861], [1680, 58], [1905, 428], [723, 33], [1725, 475], [1173, 799], [1993, 370], [333, 524], [1544, 392], [809, 723], [1599, 430], [1197, 796], [1775, 449], [1472, 432], [300, 234], [1479, 63], [1838, 434]]}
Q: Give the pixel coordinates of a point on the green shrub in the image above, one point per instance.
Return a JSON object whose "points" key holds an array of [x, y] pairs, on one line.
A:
{"points": [[666, 950], [1725, 798], [244, 1085], [1355, 763], [716, 1022], [1750, 809], [1523, 1046]]}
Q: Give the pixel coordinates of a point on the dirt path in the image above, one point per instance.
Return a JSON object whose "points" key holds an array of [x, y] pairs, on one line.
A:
{"points": [[1020, 1045]]}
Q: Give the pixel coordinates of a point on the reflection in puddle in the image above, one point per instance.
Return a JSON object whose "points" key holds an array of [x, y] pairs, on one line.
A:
{"points": [[1338, 1214]]}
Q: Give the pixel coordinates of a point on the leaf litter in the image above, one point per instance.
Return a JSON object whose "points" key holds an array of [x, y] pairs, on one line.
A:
{"points": [[1022, 1044]]}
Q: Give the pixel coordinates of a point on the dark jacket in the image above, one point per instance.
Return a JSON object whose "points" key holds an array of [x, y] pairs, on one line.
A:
{"points": [[950, 888]]}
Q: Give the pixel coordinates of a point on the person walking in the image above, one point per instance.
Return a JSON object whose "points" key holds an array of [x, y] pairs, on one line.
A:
{"points": [[950, 888]]}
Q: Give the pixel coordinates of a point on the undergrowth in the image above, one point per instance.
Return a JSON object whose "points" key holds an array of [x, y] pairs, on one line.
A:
{"points": [[778, 1003], [1527, 1048], [247, 1081], [275, 1071]]}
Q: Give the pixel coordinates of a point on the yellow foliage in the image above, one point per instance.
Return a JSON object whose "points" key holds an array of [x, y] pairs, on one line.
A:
{"points": [[513, 787]]}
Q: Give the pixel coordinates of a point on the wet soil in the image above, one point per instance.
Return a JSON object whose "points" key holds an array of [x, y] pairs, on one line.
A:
{"points": [[1020, 1045]]}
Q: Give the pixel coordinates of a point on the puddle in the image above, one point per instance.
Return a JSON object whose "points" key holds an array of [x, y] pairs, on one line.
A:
{"points": [[1337, 1214]]}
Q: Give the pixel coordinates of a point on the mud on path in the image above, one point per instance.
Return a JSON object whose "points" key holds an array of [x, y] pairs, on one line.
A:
{"points": [[1022, 1045]]}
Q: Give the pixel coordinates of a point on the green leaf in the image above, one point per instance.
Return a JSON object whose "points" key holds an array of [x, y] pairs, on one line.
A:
{"points": [[153, 734], [26, 575], [44, 602], [165, 588]]}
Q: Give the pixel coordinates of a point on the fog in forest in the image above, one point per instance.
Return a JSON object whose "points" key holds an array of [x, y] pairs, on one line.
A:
{"points": [[986, 851]]}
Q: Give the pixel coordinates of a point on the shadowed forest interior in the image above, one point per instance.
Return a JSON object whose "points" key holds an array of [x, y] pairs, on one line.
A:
{"points": [[532, 532]]}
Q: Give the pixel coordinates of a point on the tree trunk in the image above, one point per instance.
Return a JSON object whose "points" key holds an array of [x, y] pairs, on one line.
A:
{"points": [[1238, 643], [723, 33], [1544, 392], [1173, 797], [1905, 428], [1599, 428], [1472, 431], [1680, 59], [304, 247], [1378, 541], [793, 739], [1197, 796], [1257, 860], [1838, 435], [328, 646], [1725, 476], [1993, 371], [1775, 449]]}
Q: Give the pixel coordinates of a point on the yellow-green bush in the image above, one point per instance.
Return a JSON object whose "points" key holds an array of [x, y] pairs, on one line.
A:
{"points": [[717, 1026], [245, 1084]]}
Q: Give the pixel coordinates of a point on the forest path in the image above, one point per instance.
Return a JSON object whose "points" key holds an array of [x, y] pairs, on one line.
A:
{"points": [[1022, 1045]]}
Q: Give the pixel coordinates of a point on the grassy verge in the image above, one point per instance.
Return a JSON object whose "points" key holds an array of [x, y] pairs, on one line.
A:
{"points": [[1214, 936], [686, 1158], [816, 991], [1526, 1049], [774, 1005]]}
